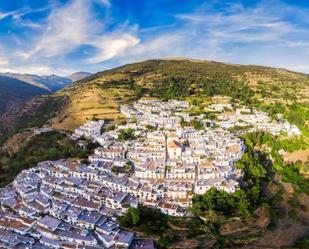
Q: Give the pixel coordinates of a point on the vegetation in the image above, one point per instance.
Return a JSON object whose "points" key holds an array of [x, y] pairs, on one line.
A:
{"points": [[296, 113], [303, 243], [46, 146], [43, 109], [179, 86], [148, 220], [198, 125], [100, 96], [126, 135], [290, 172], [139, 91], [260, 163], [243, 201], [122, 170], [151, 128]]}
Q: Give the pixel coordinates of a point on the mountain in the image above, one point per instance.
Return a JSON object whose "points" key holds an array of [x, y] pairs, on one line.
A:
{"points": [[78, 76], [14, 92], [51, 83], [101, 94]]}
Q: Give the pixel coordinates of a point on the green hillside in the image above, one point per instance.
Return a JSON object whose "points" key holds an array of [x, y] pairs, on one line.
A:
{"points": [[99, 96]]}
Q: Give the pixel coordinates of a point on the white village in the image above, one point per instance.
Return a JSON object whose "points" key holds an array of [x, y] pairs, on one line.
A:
{"points": [[160, 158]]}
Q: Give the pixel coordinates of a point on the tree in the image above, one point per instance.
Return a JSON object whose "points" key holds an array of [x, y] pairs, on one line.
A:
{"points": [[135, 215], [126, 135], [182, 122], [131, 217]]}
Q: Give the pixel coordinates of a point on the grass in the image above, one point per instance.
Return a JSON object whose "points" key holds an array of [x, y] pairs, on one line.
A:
{"points": [[86, 104]]}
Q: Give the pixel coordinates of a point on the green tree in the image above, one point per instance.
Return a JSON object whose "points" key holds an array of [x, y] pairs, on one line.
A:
{"points": [[135, 215]]}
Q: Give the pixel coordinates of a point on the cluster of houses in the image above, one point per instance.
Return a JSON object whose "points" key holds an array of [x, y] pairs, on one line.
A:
{"points": [[61, 204], [67, 204], [254, 120], [168, 162]]}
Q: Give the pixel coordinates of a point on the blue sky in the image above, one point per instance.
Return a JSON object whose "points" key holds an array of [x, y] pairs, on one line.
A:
{"points": [[63, 36]]}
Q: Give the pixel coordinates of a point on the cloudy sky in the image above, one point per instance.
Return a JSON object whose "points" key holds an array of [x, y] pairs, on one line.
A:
{"points": [[63, 36]]}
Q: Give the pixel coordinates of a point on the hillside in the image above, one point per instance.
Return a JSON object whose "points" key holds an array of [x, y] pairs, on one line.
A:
{"points": [[101, 94], [14, 92]]}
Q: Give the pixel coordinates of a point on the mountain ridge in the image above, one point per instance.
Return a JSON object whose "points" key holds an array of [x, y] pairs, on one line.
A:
{"points": [[149, 75]]}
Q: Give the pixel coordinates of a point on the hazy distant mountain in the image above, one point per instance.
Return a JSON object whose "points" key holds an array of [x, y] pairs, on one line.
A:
{"points": [[51, 83], [55, 83], [78, 76], [14, 92], [15, 89]]}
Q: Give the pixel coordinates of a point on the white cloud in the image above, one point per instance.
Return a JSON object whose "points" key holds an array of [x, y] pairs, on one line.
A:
{"points": [[74, 25], [247, 25], [111, 46], [28, 24], [299, 68], [19, 13], [4, 61], [67, 28], [162, 45], [14, 13]]}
